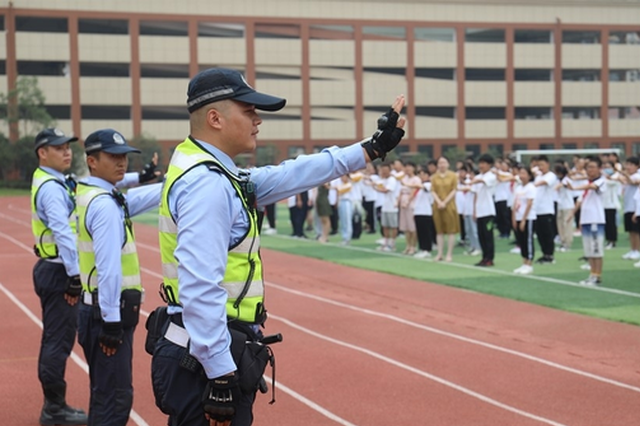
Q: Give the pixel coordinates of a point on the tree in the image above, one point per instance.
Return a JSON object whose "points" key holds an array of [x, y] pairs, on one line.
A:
{"points": [[148, 145]]}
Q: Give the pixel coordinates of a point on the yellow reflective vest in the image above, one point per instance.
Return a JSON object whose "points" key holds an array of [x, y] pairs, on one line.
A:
{"points": [[128, 254], [44, 243], [243, 278]]}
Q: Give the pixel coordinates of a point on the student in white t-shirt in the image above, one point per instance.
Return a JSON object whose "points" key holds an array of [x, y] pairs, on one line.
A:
{"points": [[423, 216], [611, 201], [389, 211], [345, 208], [465, 176], [592, 219], [501, 198], [484, 209], [545, 185], [636, 216], [631, 181], [524, 219], [565, 208]]}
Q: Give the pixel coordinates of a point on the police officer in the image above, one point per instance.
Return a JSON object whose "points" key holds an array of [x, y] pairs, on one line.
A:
{"points": [[209, 241], [55, 275], [110, 274]]}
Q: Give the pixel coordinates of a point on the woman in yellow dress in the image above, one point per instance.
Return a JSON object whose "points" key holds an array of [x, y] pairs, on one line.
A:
{"points": [[444, 184]]}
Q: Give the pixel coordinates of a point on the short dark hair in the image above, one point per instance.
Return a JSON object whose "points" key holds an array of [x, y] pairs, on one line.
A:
{"points": [[595, 159], [486, 158], [543, 158], [432, 163], [410, 163], [560, 170], [529, 172], [633, 160]]}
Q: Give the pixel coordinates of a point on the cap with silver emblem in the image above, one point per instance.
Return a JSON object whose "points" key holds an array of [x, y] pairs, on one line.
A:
{"points": [[107, 140], [52, 136]]}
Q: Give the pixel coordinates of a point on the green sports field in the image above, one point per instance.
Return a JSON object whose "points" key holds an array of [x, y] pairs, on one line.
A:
{"points": [[555, 286]]}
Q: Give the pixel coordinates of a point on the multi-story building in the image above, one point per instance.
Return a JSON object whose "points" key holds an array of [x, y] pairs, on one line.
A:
{"points": [[478, 75]]}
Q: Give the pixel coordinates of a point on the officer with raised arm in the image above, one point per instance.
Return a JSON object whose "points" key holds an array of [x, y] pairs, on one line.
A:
{"points": [[209, 241]]}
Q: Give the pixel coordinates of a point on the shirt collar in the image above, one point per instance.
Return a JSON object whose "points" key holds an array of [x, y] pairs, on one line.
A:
{"points": [[54, 173], [99, 182], [226, 161]]}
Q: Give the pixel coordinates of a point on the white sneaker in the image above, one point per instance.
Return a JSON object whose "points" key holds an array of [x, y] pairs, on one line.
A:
{"points": [[526, 270], [515, 250], [592, 281], [475, 252], [609, 246], [585, 267], [626, 255], [381, 241], [637, 264], [634, 255], [519, 270], [562, 249], [270, 231], [422, 255]]}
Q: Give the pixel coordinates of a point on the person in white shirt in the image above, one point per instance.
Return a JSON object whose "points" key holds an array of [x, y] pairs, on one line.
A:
{"points": [[592, 219], [389, 211], [468, 199], [484, 209], [423, 216], [631, 181], [566, 205], [636, 216], [501, 197], [578, 177], [409, 185], [545, 210], [611, 202], [345, 208], [369, 198], [524, 219]]}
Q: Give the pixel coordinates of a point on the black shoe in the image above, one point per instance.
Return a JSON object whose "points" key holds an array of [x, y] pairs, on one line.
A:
{"points": [[52, 415], [481, 263]]}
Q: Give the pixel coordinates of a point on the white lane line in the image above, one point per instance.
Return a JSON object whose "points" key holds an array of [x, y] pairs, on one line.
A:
{"points": [[414, 370], [137, 419], [471, 267], [456, 336]]}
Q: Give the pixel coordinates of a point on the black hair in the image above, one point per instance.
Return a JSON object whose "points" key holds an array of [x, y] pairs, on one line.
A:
{"points": [[424, 169], [595, 159], [410, 163], [561, 170], [543, 158], [486, 158], [432, 163], [529, 172], [633, 160]]}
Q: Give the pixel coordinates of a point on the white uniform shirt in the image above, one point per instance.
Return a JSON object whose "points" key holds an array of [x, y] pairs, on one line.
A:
{"points": [[565, 196], [424, 201], [629, 192], [390, 204], [545, 194], [592, 208], [522, 195], [484, 205]]}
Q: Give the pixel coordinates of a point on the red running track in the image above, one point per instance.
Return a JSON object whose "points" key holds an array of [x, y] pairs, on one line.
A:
{"points": [[365, 348]]}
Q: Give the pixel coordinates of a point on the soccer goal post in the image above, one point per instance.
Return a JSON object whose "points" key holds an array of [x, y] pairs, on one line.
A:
{"points": [[560, 152]]}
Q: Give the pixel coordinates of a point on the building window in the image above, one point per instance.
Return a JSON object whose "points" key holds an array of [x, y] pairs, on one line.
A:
{"points": [[624, 37], [569, 145], [484, 74], [483, 35], [1, 22], [41, 25], [440, 112], [621, 146], [426, 150], [547, 146], [519, 147], [110, 112], [624, 75], [533, 36], [294, 151], [635, 149], [581, 75], [591, 145], [485, 113], [3, 67], [164, 70], [533, 113], [434, 34], [384, 33], [497, 149], [331, 32], [581, 113], [103, 26], [104, 69], [164, 113], [581, 37], [472, 150], [59, 112], [285, 31], [390, 71], [164, 28], [217, 30], [58, 68], [436, 73], [525, 74]]}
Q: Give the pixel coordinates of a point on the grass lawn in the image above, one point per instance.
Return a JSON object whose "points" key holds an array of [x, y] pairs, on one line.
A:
{"points": [[12, 192], [555, 286]]}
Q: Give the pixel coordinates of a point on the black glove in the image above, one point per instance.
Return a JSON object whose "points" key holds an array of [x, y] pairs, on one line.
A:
{"points": [[221, 397], [111, 334], [148, 173], [386, 138], [74, 286]]}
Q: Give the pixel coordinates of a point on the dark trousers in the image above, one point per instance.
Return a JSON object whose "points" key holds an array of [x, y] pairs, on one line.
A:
{"points": [[426, 232], [463, 232], [576, 216], [610, 226], [379, 219], [370, 218], [525, 239], [503, 218], [271, 215], [334, 220], [485, 235], [59, 326], [298, 216], [178, 391], [109, 376], [545, 227]]}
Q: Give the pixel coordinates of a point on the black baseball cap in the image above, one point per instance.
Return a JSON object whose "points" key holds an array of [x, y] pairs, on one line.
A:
{"points": [[52, 136], [107, 140], [217, 84]]}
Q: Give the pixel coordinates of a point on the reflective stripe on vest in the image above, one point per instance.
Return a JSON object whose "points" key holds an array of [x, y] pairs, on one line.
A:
{"points": [[44, 241], [242, 280], [128, 254]]}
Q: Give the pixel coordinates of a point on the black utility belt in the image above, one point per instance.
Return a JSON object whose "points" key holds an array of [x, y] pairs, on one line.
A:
{"points": [[130, 301]]}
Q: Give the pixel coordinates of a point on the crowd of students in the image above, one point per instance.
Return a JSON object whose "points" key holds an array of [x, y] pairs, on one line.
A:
{"points": [[543, 205]]}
